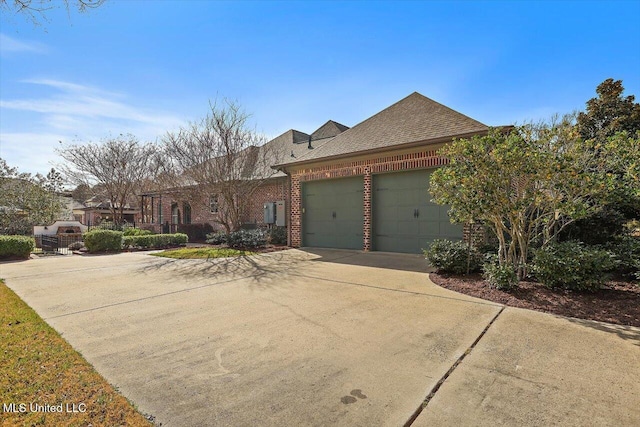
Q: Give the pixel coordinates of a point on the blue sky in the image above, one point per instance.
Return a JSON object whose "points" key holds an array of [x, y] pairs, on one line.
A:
{"points": [[146, 67]]}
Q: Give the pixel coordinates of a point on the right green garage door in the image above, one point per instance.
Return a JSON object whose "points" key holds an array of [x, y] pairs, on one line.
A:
{"points": [[404, 218]]}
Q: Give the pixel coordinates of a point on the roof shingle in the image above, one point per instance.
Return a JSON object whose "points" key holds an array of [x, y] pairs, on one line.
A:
{"points": [[413, 119]]}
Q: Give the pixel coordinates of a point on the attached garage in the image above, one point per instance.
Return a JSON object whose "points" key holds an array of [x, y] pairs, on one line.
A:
{"points": [[403, 217], [332, 213]]}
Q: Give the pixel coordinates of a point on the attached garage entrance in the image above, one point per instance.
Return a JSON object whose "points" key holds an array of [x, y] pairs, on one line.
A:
{"points": [[404, 218], [332, 215]]}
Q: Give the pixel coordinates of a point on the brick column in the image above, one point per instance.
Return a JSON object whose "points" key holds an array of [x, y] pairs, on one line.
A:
{"points": [[367, 210], [296, 218]]}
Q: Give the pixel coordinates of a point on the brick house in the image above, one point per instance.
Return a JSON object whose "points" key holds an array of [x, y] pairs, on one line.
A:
{"points": [[167, 211], [365, 187]]}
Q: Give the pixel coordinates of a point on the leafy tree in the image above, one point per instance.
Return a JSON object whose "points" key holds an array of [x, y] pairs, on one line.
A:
{"points": [[527, 185], [610, 127], [609, 113], [27, 200], [219, 157], [118, 165]]}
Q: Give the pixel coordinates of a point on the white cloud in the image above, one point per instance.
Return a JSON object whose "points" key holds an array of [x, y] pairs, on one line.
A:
{"points": [[71, 112], [75, 100], [11, 45]]}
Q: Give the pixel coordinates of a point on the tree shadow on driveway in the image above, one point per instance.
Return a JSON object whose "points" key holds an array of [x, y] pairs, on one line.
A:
{"points": [[627, 333], [262, 269]]}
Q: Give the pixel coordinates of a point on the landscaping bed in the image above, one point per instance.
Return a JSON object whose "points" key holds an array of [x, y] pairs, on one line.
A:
{"points": [[617, 302]]}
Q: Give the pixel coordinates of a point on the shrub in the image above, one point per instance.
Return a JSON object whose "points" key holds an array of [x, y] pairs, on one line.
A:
{"points": [[16, 246], [196, 232], [278, 236], [130, 231], [103, 240], [626, 250], [503, 277], [453, 256], [217, 238], [247, 239], [155, 241], [572, 265]]}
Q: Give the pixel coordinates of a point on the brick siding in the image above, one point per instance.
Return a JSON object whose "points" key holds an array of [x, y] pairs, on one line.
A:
{"points": [[423, 159], [271, 191]]}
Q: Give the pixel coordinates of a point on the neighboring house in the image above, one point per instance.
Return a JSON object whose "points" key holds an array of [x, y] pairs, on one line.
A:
{"points": [[96, 210], [364, 188]]}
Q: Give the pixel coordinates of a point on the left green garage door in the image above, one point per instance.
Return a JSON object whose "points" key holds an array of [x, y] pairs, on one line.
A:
{"points": [[332, 215]]}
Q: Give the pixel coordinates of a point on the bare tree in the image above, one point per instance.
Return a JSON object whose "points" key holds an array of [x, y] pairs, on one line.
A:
{"points": [[219, 162], [36, 10], [118, 165]]}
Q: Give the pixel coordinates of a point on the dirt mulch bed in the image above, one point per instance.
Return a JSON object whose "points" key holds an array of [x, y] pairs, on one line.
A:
{"points": [[618, 302]]}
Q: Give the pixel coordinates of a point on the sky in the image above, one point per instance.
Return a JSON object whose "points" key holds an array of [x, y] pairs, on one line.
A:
{"points": [[148, 67]]}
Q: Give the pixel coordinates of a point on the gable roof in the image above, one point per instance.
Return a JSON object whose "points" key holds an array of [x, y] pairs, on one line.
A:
{"points": [[328, 130], [415, 118]]}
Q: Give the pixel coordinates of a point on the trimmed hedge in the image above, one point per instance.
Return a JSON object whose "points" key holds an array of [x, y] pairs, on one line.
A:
{"points": [[155, 241], [136, 232], [572, 265], [241, 239], [450, 256], [16, 246], [103, 241], [247, 239]]}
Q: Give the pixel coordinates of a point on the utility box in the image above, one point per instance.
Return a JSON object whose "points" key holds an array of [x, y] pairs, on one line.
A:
{"points": [[269, 213], [281, 216]]}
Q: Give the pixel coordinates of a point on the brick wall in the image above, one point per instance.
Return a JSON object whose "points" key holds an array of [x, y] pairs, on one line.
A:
{"points": [[271, 191], [421, 159]]}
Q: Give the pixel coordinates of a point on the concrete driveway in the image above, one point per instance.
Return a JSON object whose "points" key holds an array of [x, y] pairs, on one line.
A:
{"points": [[326, 337]]}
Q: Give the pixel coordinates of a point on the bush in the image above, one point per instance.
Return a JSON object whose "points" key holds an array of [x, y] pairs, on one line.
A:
{"points": [[196, 232], [130, 231], [217, 238], [16, 246], [453, 256], [626, 250], [572, 265], [278, 236], [503, 277], [155, 241], [103, 241], [247, 239]]}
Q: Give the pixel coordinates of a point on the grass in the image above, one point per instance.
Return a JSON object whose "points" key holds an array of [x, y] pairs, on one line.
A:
{"points": [[38, 366], [202, 253]]}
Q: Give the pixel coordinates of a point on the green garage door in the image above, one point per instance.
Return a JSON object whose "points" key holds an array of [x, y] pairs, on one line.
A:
{"points": [[333, 213], [404, 218]]}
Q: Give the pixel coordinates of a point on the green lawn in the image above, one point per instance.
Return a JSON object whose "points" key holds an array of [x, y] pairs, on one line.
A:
{"points": [[37, 366], [202, 253]]}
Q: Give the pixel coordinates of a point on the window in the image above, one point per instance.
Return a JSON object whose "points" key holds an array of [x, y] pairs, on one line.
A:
{"points": [[160, 212], [213, 203], [186, 213], [175, 214]]}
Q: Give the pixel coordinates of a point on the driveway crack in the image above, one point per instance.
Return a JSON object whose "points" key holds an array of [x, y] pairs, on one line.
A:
{"points": [[436, 387]]}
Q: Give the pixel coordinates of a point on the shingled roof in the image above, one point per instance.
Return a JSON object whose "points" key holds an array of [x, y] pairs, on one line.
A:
{"points": [[328, 130], [415, 118]]}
